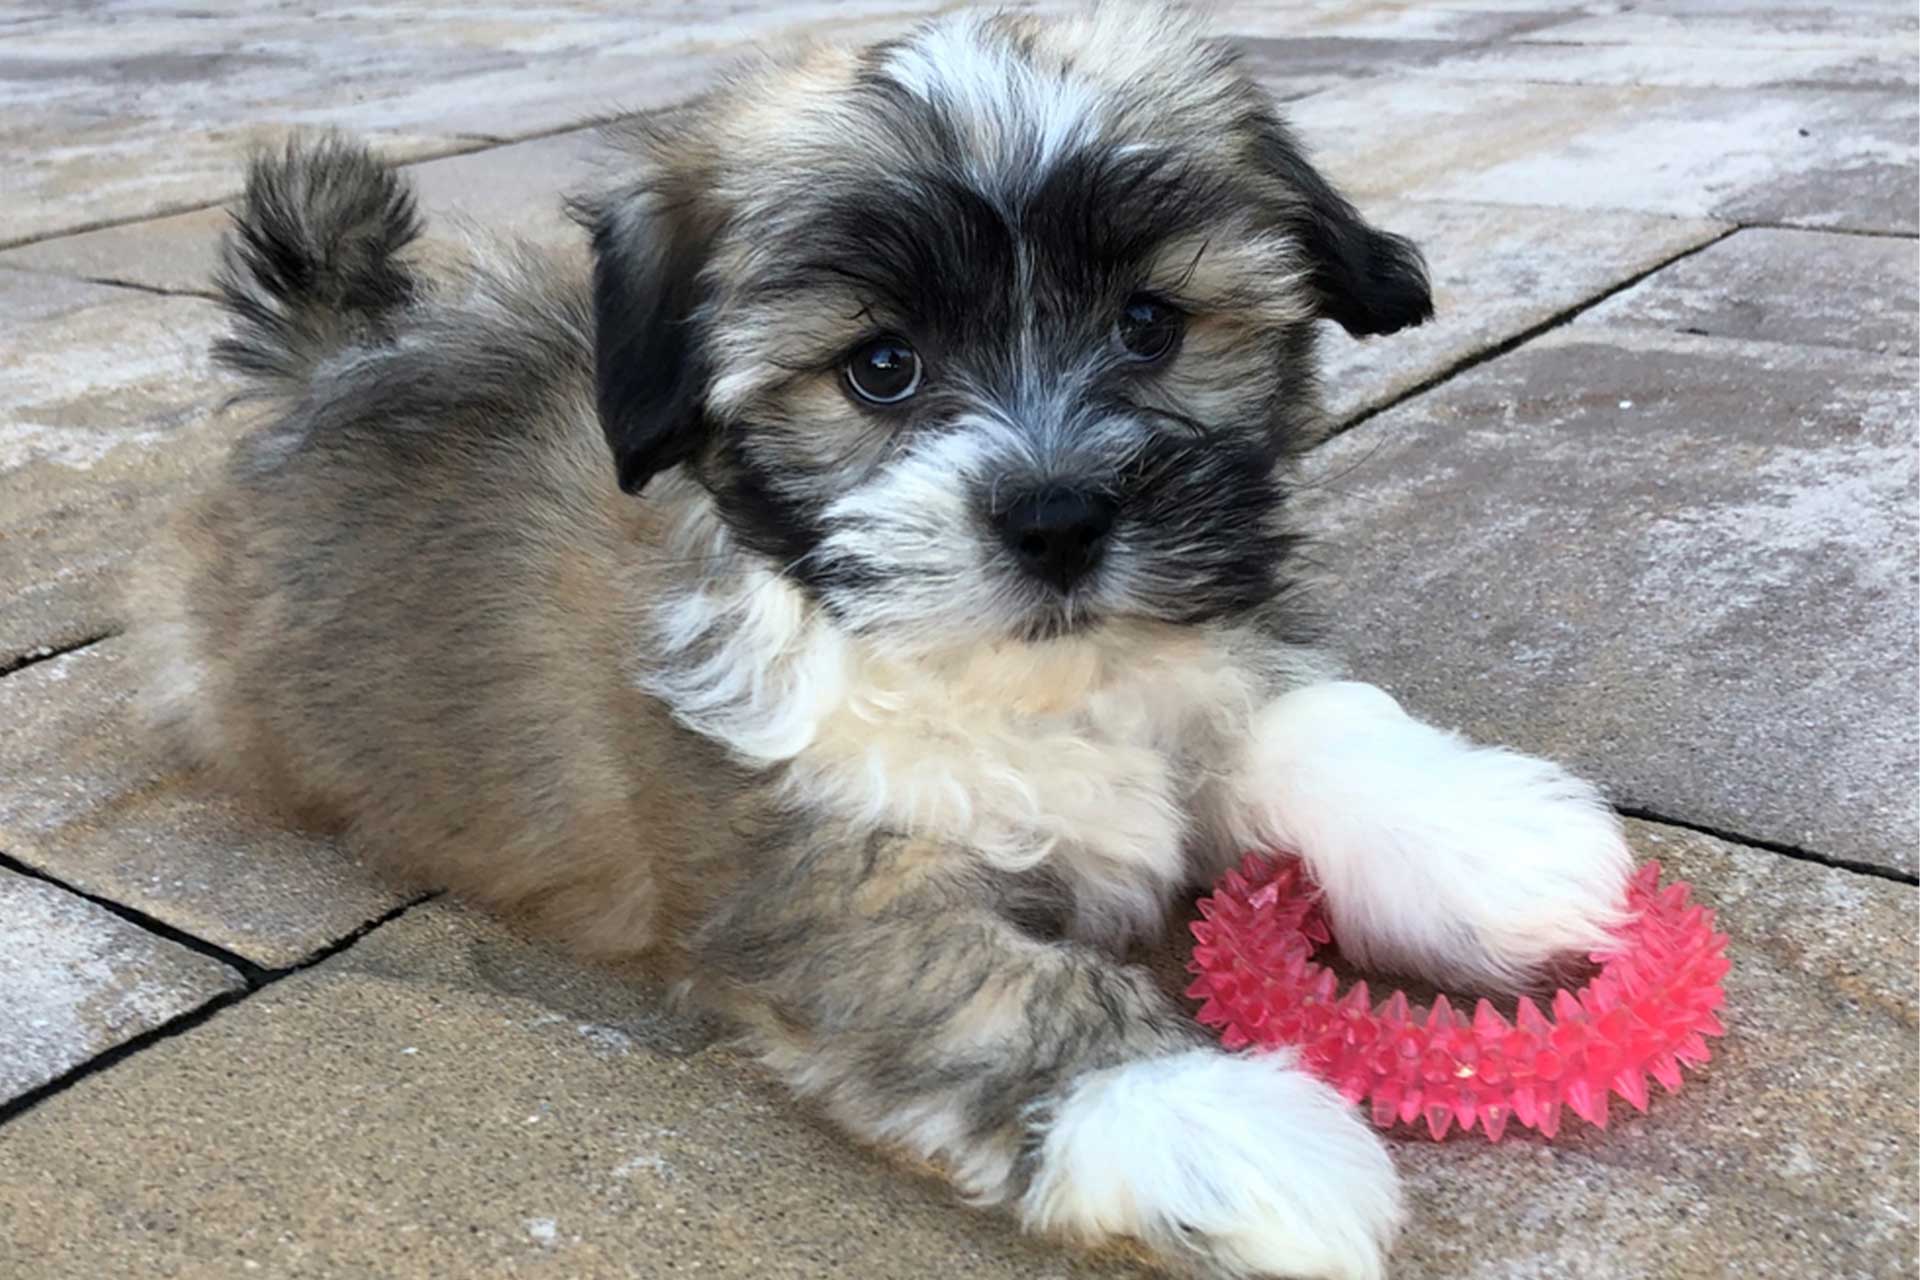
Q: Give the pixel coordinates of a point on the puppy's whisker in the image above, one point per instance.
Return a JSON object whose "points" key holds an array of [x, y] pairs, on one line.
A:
{"points": [[1333, 478]]}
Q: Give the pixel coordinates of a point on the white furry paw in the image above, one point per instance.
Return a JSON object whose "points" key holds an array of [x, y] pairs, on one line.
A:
{"points": [[1463, 864], [1243, 1164]]}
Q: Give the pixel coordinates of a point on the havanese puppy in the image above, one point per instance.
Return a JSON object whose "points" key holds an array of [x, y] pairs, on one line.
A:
{"points": [[867, 587]]}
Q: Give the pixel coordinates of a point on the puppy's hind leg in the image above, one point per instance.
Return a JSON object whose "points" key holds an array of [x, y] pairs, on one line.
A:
{"points": [[884, 978], [180, 595]]}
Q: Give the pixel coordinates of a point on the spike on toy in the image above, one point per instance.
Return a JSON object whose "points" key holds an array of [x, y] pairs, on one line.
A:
{"points": [[1648, 1011]]}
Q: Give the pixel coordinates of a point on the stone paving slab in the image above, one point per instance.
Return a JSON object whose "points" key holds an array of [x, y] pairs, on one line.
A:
{"points": [[79, 980], [442, 1100], [116, 171], [1674, 543], [1886, 65], [1498, 270], [27, 299], [1716, 25], [515, 189], [84, 800], [1840, 158], [1465, 23], [191, 92], [1778, 285], [105, 415], [1683, 565], [1295, 65], [175, 254], [1793, 1154]]}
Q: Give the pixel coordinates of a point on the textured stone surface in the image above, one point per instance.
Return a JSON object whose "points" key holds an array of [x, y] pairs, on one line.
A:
{"points": [[76, 980], [191, 92], [26, 298], [83, 799], [1792, 1154], [106, 402], [117, 170], [1484, 20], [1677, 65], [1713, 26], [1785, 286], [1497, 270], [1811, 156], [1673, 543], [442, 1100], [1294, 66], [191, 96], [1684, 565], [176, 253]]}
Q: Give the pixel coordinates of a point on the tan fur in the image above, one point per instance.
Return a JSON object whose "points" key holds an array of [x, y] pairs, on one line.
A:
{"points": [[904, 853], [439, 756]]}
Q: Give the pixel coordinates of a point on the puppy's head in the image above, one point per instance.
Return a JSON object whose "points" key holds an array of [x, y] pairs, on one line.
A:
{"points": [[1001, 330]]}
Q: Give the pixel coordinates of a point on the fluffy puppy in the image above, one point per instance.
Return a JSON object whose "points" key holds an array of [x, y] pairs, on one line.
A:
{"points": [[866, 588]]}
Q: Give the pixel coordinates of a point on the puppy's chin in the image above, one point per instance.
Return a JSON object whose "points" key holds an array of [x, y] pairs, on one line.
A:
{"points": [[1039, 622], [1026, 615], [1058, 619]]}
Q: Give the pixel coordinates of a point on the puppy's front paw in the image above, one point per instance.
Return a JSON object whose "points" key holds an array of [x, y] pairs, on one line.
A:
{"points": [[1464, 864], [1243, 1164]]}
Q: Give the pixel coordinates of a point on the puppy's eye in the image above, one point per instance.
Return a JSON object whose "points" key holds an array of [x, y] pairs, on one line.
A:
{"points": [[884, 370], [1148, 328]]}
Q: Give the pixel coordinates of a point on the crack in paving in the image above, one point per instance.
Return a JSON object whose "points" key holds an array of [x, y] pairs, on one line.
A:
{"points": [[1509, 344], [1795, 852], [257, 979], [47, 653]]}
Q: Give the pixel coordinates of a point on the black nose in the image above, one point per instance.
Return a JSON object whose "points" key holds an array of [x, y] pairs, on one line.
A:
{"points": [[1057, 533]]}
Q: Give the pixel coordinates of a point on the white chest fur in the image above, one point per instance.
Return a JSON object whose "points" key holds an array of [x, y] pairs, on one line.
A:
{"points": [[1081, 754]]}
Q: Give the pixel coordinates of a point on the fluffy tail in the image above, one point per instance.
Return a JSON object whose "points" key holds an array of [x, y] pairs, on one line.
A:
{"points": [[312, 262]]}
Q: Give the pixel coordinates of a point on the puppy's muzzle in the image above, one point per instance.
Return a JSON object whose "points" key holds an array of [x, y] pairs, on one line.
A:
{"points": [[1058, 533]]}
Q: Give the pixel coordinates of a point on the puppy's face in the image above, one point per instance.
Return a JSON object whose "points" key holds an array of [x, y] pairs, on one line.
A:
{"points": [[1001, 331]]}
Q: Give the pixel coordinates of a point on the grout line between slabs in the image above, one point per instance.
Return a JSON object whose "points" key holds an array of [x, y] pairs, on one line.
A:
{"points": [[582, 125], [113, 282], [1506, 345], [466, 144], [1794, 852], [47, 653], [160, 291], [18, 1106], [256, 978], [249, 972], [463, 144], [1865, 233]]}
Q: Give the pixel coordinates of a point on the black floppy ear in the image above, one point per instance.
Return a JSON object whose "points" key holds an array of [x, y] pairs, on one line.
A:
{"points": [[1369, 281], [649, 370]]}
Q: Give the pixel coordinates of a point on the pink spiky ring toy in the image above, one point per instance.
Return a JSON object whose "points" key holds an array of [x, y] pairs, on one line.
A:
{"points": [[1646, 1012]]}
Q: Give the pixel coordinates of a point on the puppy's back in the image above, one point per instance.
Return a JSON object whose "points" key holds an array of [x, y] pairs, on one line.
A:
{"points": [[404, 610]]}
